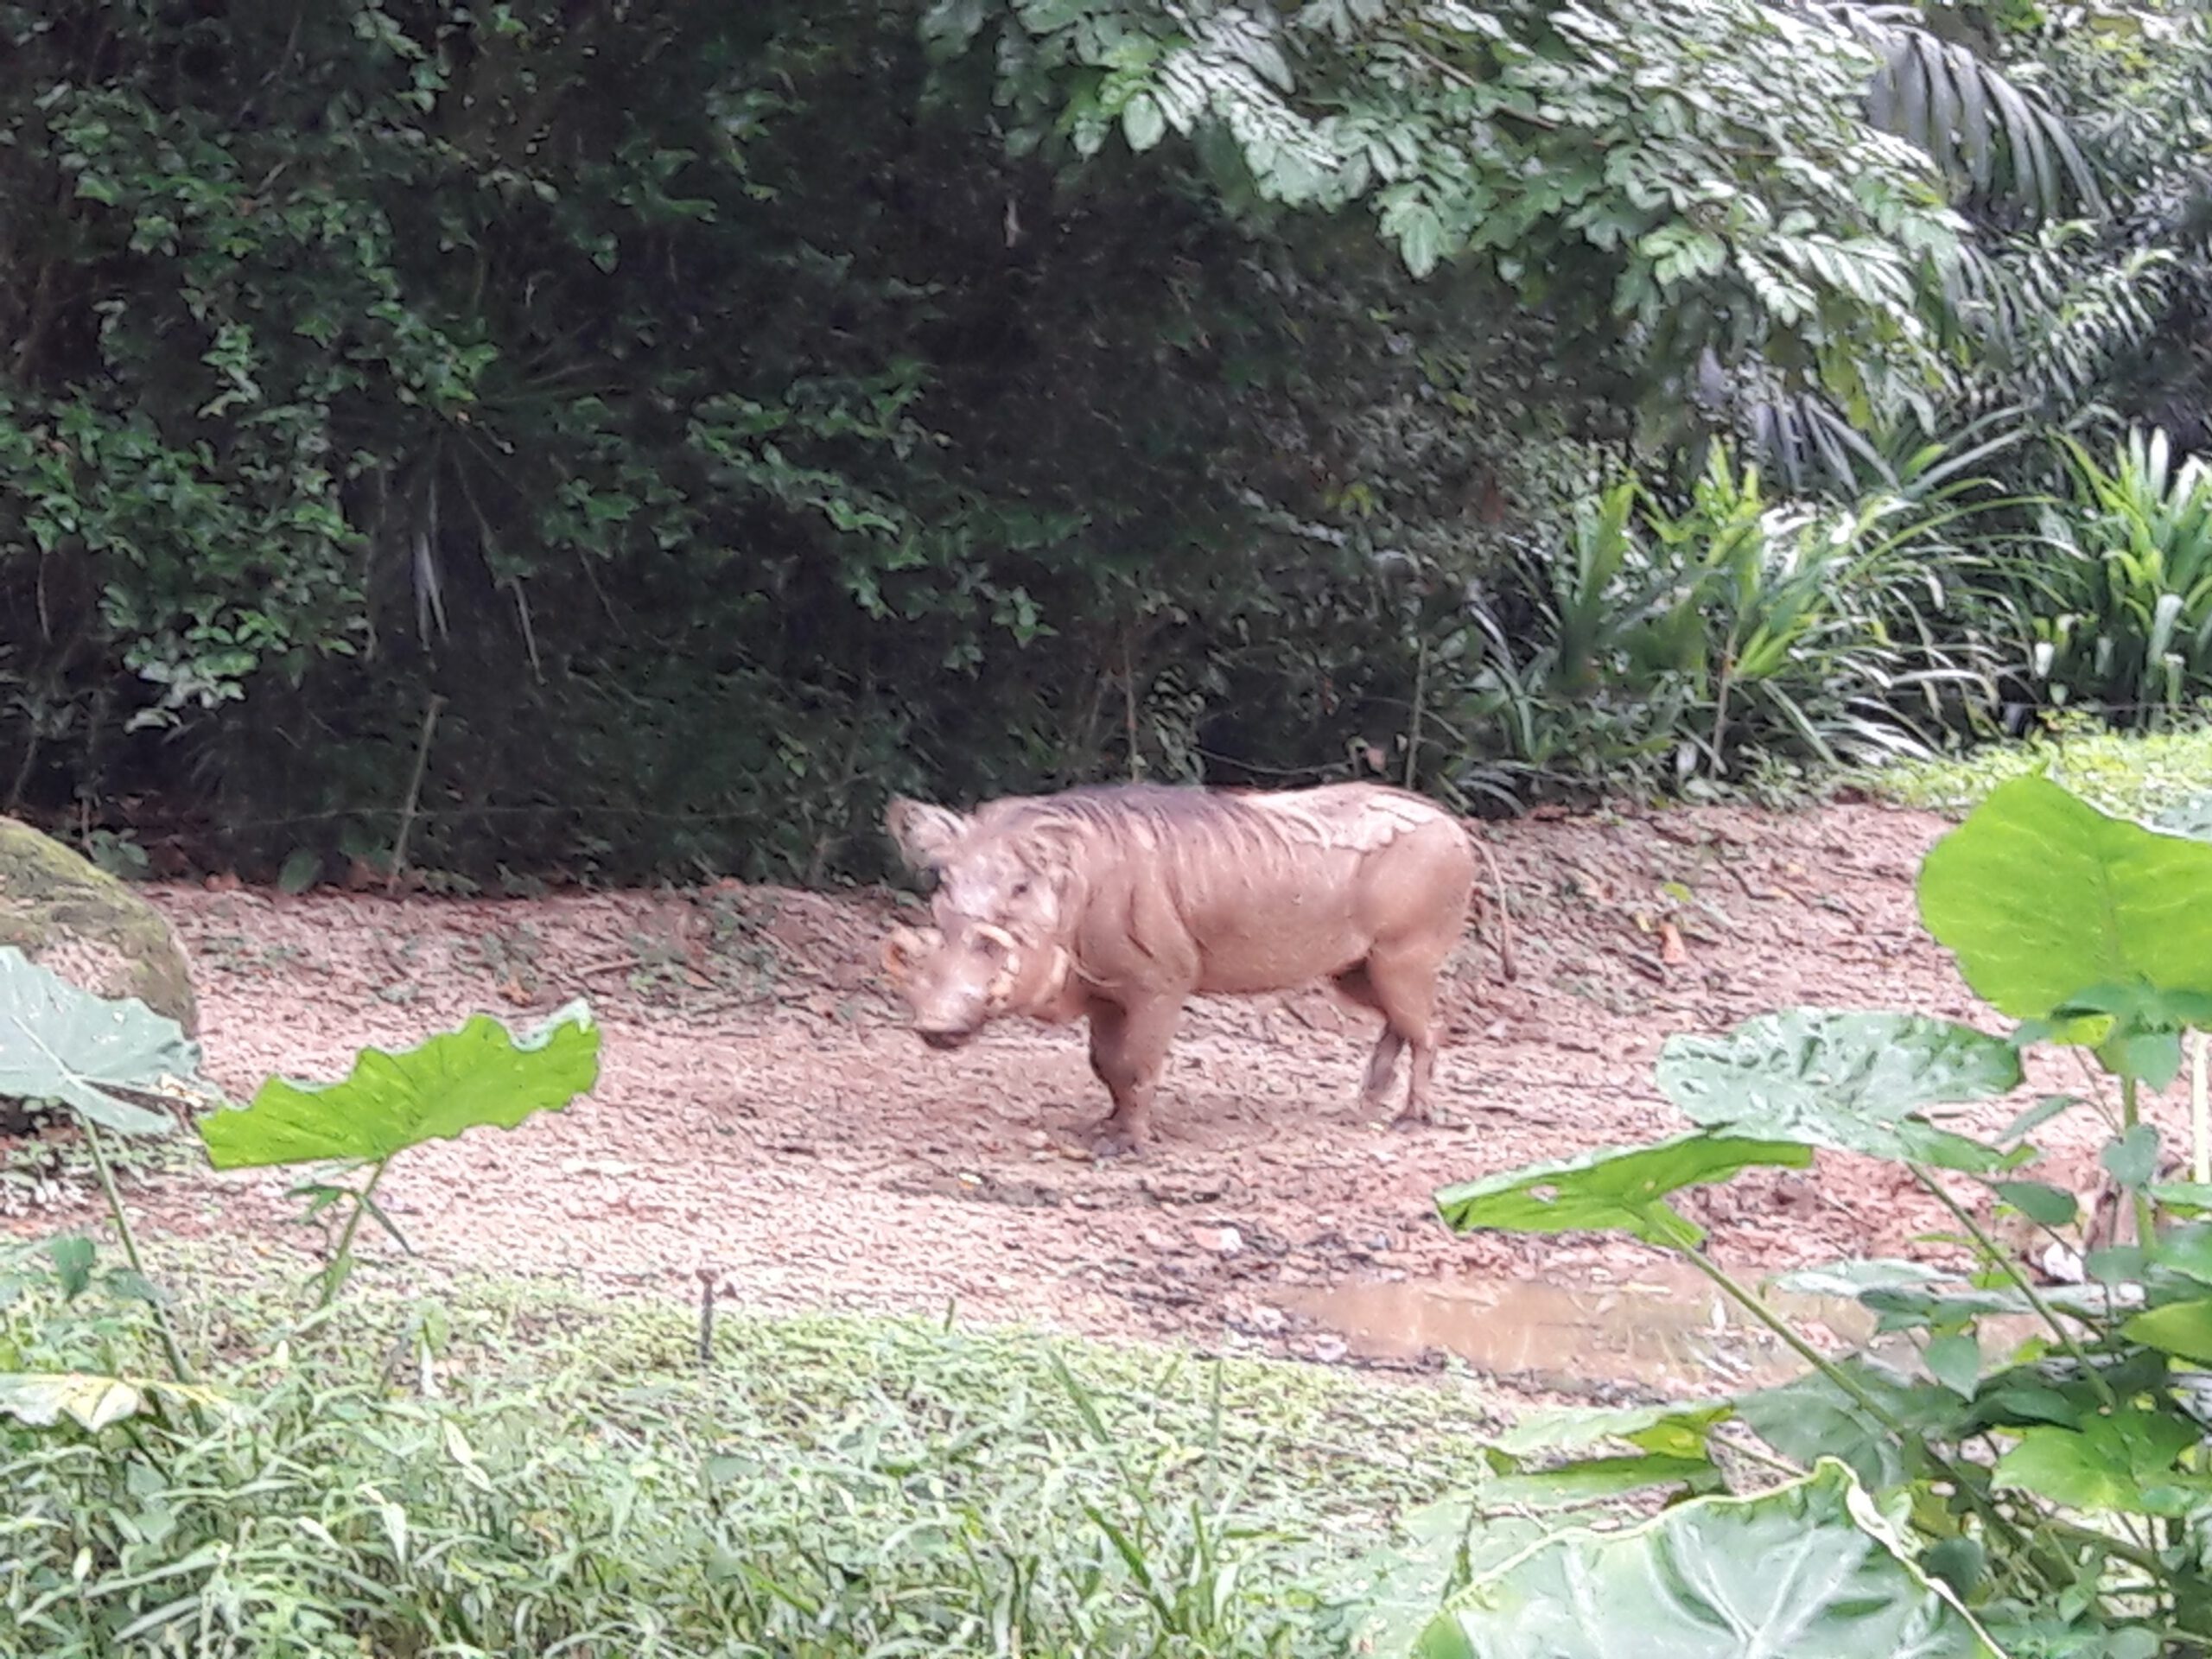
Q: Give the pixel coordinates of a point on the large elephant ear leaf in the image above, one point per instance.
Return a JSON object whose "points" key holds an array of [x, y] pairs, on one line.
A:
{"points": [[1613, 1189], [2043, 899], [1810, 1568], [59, 1042], [481, 1074], [1853, 1082], [91, 1401]]}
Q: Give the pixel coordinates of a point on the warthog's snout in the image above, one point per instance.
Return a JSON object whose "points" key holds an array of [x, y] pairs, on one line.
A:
{"points": [[953, 988]]}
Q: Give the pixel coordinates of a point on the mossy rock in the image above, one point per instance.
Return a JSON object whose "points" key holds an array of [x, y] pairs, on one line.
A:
{"points": [[77, 921], [73, 918]]}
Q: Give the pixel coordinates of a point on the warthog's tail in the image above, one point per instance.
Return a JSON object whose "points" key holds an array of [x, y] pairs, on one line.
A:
{"points": [[1504, 917]]}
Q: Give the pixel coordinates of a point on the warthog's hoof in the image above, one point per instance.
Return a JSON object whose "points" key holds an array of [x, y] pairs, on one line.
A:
{"points": [[1112, 1140]]}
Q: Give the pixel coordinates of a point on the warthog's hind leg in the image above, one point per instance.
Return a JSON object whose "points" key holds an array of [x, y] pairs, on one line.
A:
{"points": [[1357, 986], [1404, 990]]}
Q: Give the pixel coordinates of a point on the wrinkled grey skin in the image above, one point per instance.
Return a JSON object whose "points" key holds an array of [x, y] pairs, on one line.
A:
{"points": [[1115, 905]]}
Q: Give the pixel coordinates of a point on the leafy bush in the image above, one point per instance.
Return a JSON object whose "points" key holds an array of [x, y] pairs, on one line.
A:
{"points": [[2117, 587], [2161, 776], [774, 408], [1695, 642], [2059, 1490]]}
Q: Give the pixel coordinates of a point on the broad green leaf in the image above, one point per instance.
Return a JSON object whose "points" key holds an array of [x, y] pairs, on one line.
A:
{"points": [[1955, 1362], [1421, 235], [2143, 1025], [1143, 123], [1613, 1189], [1848, 1081], [2116, 1265], [2041, 1203], [2042, 897], [42, 1399], [1392, 1593], [2132, 1158], [2183, 1329], [2020, 1404], [2036, 1115], [1853, 1278], [1682, 1431], [1903, 1307], [457, 1080], [1597, 1480], [1854, 1082], [73, 1256], [1920, 1142], [2192, 1196], [1811, 1419], [2120, 1460], [1959, 1564], [1808, 1567], [60, 1043]]}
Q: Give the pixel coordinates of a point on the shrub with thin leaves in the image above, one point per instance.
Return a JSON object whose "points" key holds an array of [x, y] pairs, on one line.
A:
{"points": [[1698, 640], [2115, 590]]}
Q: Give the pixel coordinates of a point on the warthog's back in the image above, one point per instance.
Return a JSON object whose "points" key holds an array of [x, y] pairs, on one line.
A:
{"points": [[1235, 893]]}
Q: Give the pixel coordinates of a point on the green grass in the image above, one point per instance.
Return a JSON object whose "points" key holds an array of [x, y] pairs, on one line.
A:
{"points": [[2163, 777], [511, 1468]]}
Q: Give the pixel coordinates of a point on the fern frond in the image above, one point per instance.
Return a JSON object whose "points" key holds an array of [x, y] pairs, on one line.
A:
{"points": [[1988, 135]]}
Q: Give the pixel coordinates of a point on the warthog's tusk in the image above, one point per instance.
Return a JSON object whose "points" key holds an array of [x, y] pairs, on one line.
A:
{"points": [[904, 949], [1001, 988]]}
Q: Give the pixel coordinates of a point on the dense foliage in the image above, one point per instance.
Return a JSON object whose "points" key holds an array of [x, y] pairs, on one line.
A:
{"points": [[640, 438], [2038, 1448]]}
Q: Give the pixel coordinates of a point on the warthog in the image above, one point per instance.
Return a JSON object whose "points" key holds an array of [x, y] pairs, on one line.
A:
{"points": [[1118, 904]]}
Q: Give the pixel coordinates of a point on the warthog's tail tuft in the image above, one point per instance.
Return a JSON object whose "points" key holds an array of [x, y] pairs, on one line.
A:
{"points": [[1504, 917]]}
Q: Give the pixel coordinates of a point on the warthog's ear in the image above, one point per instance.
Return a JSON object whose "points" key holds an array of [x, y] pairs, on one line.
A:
{"points": [[904, 949], [926, 835]]}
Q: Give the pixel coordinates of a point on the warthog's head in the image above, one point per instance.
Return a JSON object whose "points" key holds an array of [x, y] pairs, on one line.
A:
{"points": [[994, 949], [955, 984]]}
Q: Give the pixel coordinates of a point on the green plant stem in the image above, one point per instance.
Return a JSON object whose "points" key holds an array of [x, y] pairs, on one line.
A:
{"points": [[332, 1277], [173, 1348], [2004, 1261], [2142, 1560], [1838, 1378], [1804, 1350], [2200, 1113], [2143, 1224], [414, 800]]}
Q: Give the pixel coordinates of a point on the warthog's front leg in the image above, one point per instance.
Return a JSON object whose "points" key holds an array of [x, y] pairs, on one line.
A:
{"points": [[1129, 1050]]}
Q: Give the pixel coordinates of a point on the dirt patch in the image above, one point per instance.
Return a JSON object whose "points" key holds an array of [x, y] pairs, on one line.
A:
{"points": [[763, 1115]]}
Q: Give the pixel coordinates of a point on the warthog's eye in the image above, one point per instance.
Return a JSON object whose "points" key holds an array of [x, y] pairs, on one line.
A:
{"points": [[1021, 887]]}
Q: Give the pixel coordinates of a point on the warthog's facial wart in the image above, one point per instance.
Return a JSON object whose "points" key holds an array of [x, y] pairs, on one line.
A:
{"points": [[956, 979]]}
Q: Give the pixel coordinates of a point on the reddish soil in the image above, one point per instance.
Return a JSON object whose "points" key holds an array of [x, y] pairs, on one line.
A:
{"points": [[761, 1114]]}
